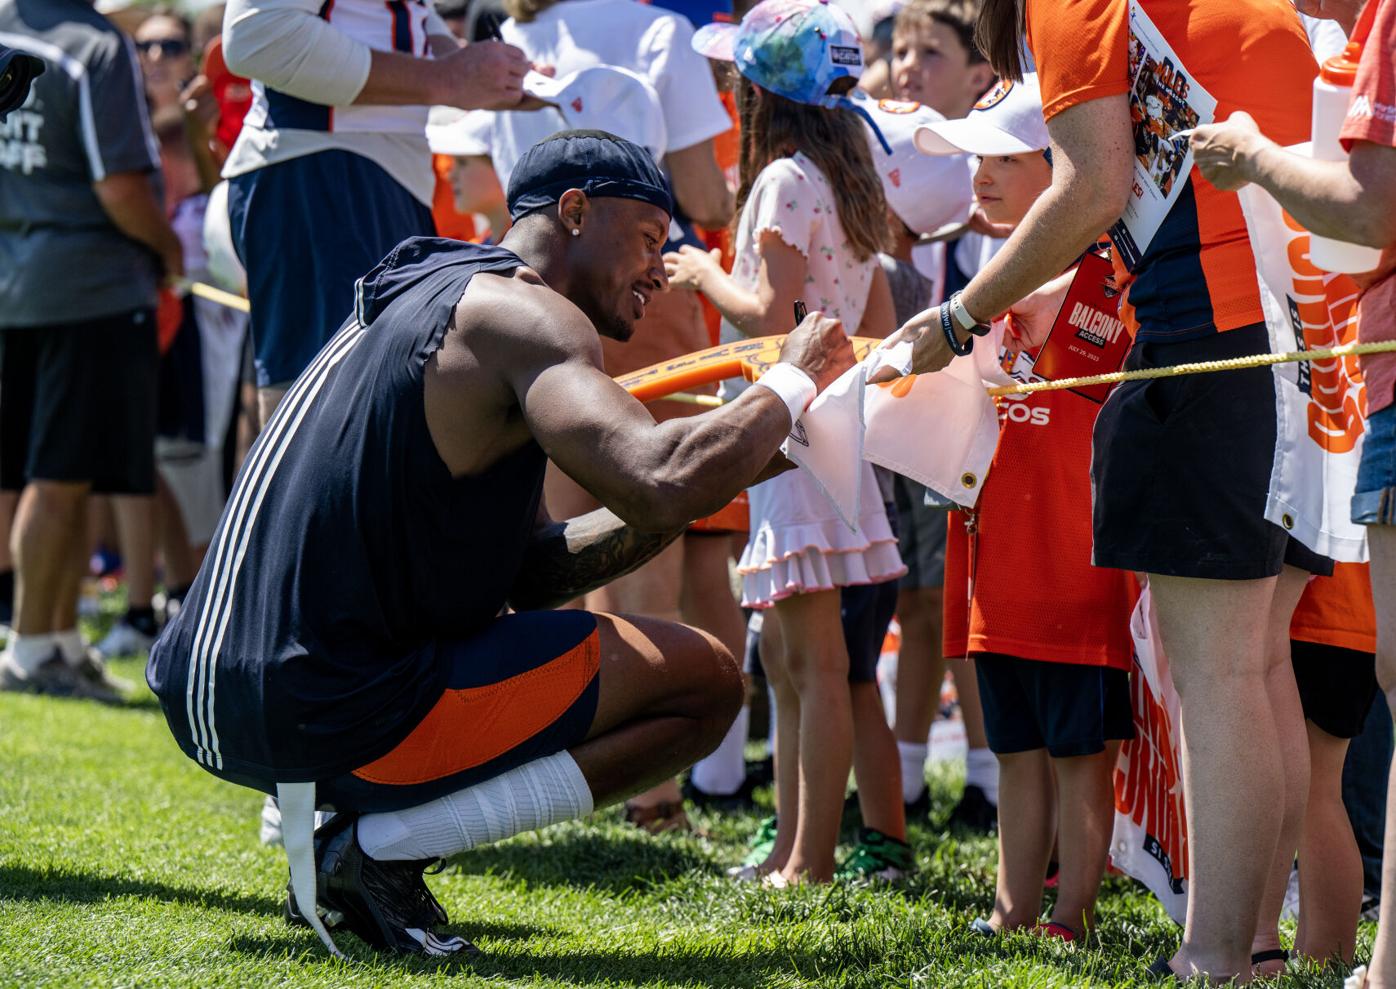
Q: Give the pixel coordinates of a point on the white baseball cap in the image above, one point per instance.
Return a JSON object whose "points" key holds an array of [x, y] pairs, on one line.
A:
{"points": [[925, 193], [1008, 121], [459, 132], [607, 98]]}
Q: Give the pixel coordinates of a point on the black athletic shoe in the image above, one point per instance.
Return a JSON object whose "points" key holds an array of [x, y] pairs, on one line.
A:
{"points": [[974, 813], [387, 904], [726, 802], [919, 810]]}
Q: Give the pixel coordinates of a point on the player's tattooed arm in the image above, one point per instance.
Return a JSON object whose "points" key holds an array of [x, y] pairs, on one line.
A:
{"points": [[566, 559]]}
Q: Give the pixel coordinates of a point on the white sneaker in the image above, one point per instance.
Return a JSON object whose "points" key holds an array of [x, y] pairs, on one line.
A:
{"points": [[1357, 979], [124, 640]]}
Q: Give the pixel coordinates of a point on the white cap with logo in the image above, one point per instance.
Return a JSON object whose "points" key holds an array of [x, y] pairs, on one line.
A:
{"points": [[608, 98], [1008, 121], [925, 193]]}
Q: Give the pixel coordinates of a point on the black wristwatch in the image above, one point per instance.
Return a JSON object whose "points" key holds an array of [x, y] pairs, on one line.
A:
{"points": [[947, 326]]}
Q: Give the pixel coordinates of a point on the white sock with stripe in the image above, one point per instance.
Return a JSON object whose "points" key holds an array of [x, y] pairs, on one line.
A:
{"points": [[533, 796]]}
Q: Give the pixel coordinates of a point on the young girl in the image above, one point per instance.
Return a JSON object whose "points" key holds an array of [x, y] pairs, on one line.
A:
{"points": [[798, 241], [1048, 631]]}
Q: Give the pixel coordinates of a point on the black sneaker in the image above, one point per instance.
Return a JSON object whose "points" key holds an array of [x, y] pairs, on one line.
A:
{"points": [[741, 800], [387, 904], [920, 808], [974, 813], [53, 677]]}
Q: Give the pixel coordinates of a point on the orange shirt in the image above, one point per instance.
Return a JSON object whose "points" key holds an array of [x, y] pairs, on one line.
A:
{"points": [[1198, 275], [1036, 593], [449, 222], [1338, 610], [955, 598]]}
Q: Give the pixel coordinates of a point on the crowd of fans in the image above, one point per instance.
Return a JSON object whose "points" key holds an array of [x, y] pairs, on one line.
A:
{"points": [[257, 150]]}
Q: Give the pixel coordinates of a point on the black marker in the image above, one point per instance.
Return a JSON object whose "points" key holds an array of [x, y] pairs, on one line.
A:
{"points": [[800, 312]]}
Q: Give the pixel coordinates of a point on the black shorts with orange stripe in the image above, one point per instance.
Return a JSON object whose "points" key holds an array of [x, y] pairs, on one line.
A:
{"points": [[525, 688]]}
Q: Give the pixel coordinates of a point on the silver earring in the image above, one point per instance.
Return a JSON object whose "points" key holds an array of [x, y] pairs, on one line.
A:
{"points": [[576, 232]]}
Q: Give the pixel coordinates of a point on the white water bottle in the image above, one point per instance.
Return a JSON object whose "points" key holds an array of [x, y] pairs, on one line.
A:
{"points": [[1332, 92]]}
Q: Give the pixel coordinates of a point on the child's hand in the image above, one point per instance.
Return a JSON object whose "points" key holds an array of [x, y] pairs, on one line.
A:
{"points": [[688, 267], [1031, 318]]}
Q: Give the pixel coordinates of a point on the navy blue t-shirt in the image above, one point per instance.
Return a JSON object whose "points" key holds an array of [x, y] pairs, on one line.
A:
{"points": [[307, 645]]}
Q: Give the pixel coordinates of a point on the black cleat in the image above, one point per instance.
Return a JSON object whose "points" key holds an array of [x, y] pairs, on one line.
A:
{"points": [[387, 904], [974, 813]]}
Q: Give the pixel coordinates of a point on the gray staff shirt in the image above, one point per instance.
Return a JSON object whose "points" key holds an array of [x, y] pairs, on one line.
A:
{"points": [[61, 259]]}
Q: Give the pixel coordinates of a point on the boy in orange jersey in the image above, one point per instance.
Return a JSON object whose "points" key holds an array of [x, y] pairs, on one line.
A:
{"points": [[1049, 631]]}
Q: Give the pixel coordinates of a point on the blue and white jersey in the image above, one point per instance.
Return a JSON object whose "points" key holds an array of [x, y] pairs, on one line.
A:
{"points": [[308, 60]]}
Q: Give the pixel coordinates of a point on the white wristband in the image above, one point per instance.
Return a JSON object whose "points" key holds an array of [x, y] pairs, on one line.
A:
{"points": [[794, 387], [961, 314]]}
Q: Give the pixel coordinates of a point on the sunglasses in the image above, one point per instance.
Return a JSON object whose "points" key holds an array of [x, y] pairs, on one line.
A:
{"points": [[167, 47]]}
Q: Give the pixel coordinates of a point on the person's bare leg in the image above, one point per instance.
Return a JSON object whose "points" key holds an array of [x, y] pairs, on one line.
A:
{"points": [[817, 659], [706, 601], [1026, 827], [920, 668], [1381, 541], [181, 558], [135, 528], [267, 401], [9, 501], [69, 586], [1288, 712], [971, 711], [1232, 766], [49, 515], [875, 763], [652, 591], [668, 693], [787, 747], [1085, 819], [1330, 867]]}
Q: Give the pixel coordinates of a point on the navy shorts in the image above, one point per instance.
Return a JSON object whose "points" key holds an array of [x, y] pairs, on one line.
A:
{"points": [[1336, 686], [307, 229], [1180, 467], [1069, 709], [525, 688], [866, 610], [1374, 502]]}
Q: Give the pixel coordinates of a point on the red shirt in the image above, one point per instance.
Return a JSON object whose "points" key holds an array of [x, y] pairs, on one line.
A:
{"points": [[1199, 272], [1036, 593], [1372, 117]]}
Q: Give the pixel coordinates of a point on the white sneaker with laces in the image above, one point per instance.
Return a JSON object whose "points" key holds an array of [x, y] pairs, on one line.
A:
{"points": [[124, 640]]}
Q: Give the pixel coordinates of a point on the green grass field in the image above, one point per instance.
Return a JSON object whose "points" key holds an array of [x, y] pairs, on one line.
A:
{"points": [[123, 864]]}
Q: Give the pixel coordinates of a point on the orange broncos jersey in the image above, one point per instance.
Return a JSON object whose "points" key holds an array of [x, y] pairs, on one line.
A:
{"points": [[1337, 610], [1036, 593]]}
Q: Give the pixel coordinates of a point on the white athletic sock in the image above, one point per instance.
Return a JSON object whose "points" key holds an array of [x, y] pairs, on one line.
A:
{"points": [[71, 645], [723, 772], [532, 796], [913, 770], [982, 770], [29, 652]]}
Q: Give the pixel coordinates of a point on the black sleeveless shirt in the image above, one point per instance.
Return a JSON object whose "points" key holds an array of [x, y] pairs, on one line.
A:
{"points": [[307, 645]]}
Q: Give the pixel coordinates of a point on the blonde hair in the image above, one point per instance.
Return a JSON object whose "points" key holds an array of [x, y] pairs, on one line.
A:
{"points": [[773, 127]]}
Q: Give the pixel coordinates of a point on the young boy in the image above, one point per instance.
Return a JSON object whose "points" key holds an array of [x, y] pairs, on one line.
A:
{"points": [[934, 58], [1049, 636]]}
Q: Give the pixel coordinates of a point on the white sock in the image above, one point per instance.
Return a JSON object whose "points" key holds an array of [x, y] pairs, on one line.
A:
{"points": [[71, 645], [29, 652], [532, 796], [913, 770], [723, 772], [982, 770]]}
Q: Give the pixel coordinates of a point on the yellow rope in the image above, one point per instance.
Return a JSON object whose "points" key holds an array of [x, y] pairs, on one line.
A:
{"points": [[229, 299], [1201, 367]]}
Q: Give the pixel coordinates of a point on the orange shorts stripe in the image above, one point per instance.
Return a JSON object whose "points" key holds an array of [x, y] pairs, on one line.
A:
{"points": [[468, 728]]}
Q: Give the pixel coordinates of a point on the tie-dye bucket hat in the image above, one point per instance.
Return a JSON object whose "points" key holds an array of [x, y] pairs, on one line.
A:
{"points": [[793, 48]]}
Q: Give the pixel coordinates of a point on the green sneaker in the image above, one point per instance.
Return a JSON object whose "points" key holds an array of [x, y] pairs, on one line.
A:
{"points": [[877, 856], [761, 844]]}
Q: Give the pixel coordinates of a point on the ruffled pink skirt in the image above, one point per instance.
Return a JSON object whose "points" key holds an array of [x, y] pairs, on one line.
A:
{"points": [[798, 544]]}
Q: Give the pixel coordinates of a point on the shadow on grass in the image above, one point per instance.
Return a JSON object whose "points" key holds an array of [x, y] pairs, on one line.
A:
{"points": [[18, 882], [605, 859], [706, 967]]}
